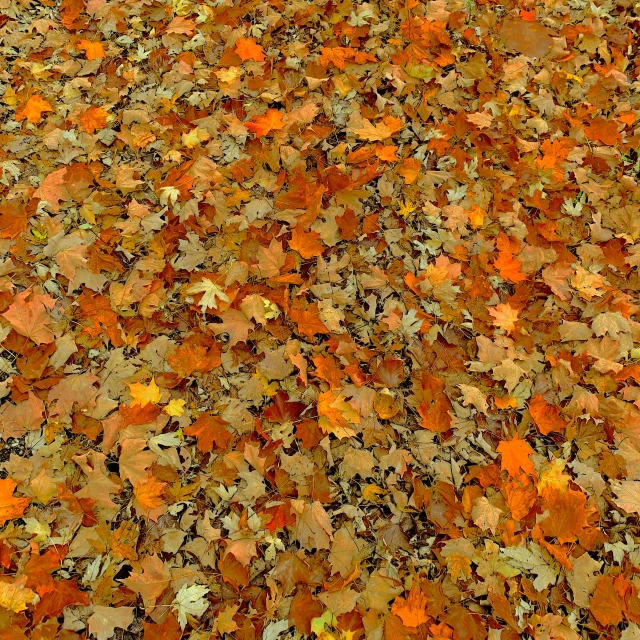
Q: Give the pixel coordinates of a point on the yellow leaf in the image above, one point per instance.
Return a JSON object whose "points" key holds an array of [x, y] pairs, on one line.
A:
{"points": [[371, 492], [175, 408], [142, 396], [406, 208], [15, 597]]}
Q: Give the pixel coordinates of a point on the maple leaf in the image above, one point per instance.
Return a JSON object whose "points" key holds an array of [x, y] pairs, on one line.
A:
{"points": [[33, 109], [509, 267], [10, 507], [411, 611], [627, 495], [143, 395], [52, 189], [235, 324], [435, 415], [151, 581], [546, 416], [210, 291], [485, 515], [606, 604], [92, 50], [515, 456], [604, 130], [336, 56], [249, 49], [13, 220], [15, 597], [308, 321], [224, 620], [209, 430], [190, 601], [504, 316], [567, 515], [529, 38], [104, 620], [31, 319], [175, 408], [308, 245], [52, 604], [148, 495], [336, 415], [93, 118], [263, 125]]}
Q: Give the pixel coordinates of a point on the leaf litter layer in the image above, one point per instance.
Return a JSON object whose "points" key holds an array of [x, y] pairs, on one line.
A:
{"points": [[319, 319]]}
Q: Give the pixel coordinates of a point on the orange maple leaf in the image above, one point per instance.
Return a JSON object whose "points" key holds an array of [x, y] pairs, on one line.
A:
{"points": [[409, 169], [31, 319], [13, 220], [10, 507], [148, 494], [515, 456], [249, 49], [308, 244], [209, 430], [520, 495], [435, 415], [567, 515], [308, 321], [336, 56], [92, 50], [546, 416], [606, 603], [33, 109], [93, 118], [143, 395], [263, 125], [412, 610], [606, 131]]}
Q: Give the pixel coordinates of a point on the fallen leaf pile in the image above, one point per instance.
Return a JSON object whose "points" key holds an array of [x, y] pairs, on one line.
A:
{"points": [[319, 319]]}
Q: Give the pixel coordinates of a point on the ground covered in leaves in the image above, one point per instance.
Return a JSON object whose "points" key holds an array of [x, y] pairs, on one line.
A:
{"points": [[318, 319]]}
